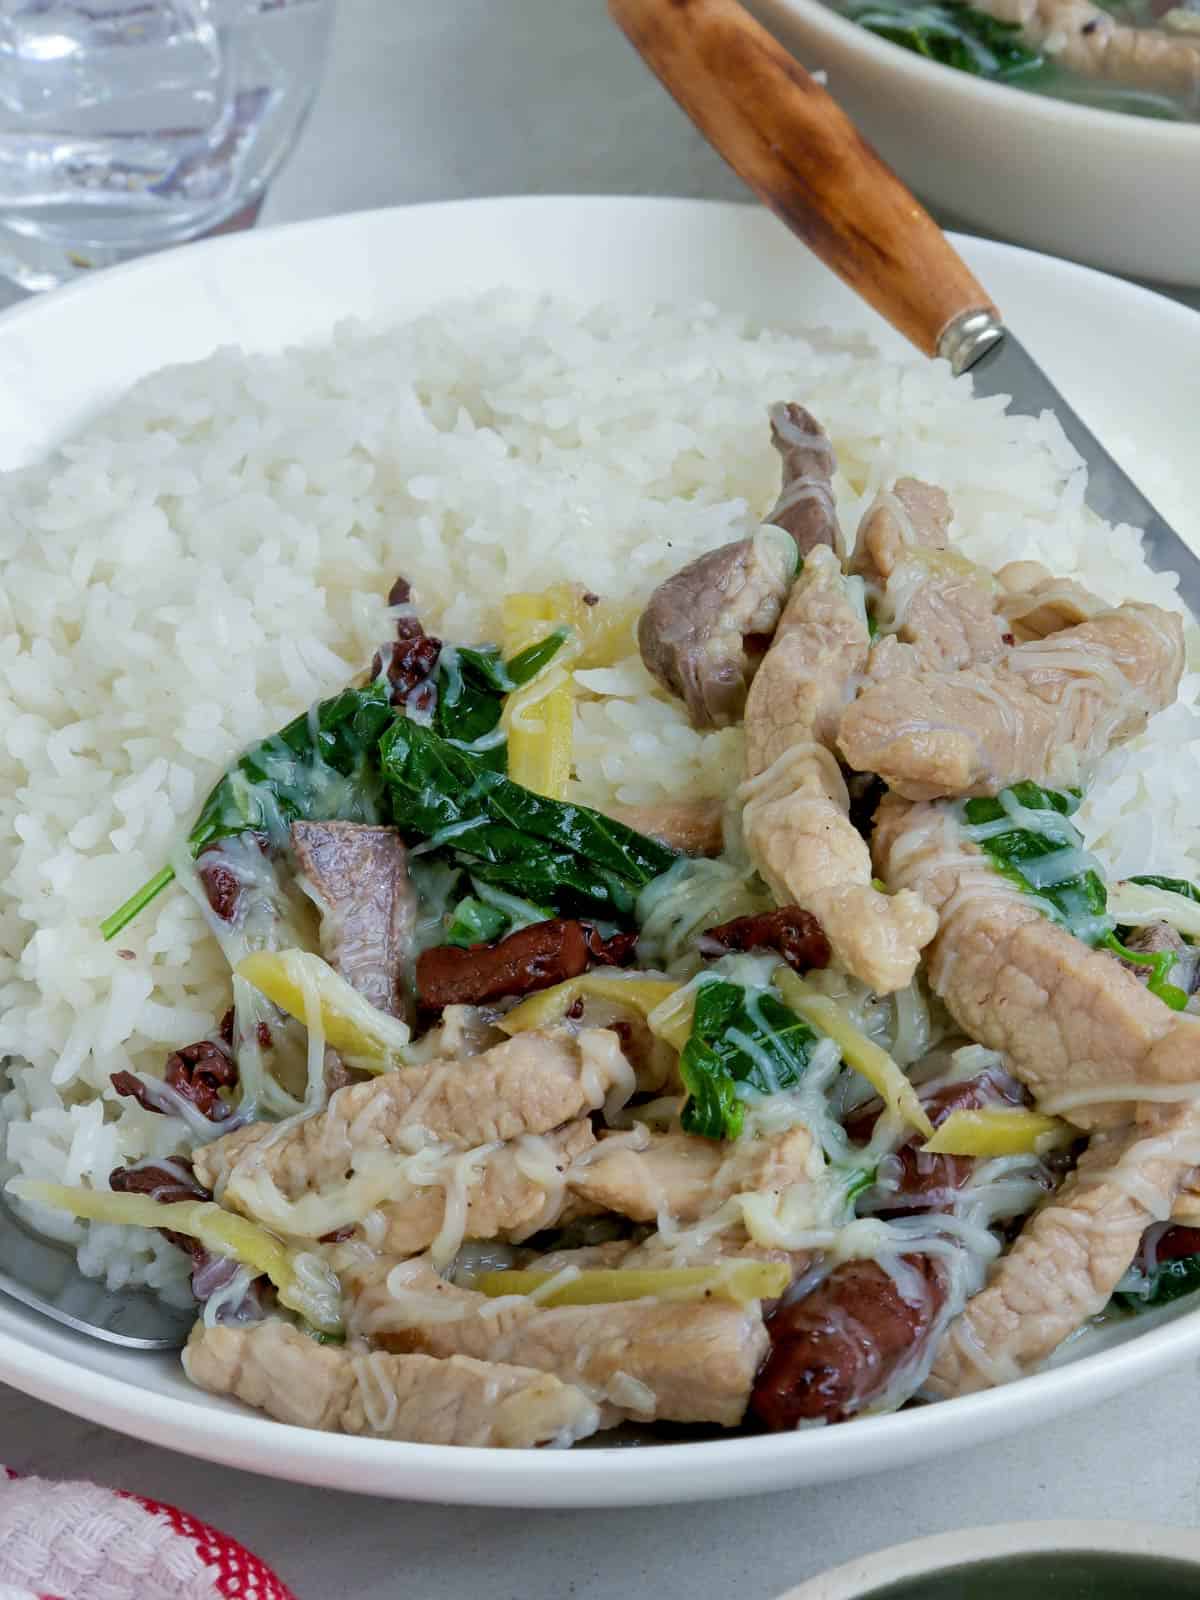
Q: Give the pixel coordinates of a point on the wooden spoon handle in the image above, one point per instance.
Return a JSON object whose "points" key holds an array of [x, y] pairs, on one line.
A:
{"points": [[800, 153]]}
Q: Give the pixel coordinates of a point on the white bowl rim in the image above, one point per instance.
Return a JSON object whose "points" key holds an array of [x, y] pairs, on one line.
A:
{"points": [[967, 86], [922, 1558], [226, 1432]]}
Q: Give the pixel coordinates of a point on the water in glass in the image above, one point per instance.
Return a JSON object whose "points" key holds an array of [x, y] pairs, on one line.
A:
{"points": [[126, 125]]}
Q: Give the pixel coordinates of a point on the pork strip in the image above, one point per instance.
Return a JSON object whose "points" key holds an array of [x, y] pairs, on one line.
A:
{"points": [[693, 827], [512, 1193], [684, 1177], [693, 633], [1078, 1030], [530, 1084], [1071, 1255], [795, 803], [1092, 41], [357, 876], [653, 1360], [1035, 603], [275, 1368], [1047, 711], [937, 608]]}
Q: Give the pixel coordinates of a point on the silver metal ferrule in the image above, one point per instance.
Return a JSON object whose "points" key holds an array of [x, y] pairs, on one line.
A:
{"points": [[967, 337]]}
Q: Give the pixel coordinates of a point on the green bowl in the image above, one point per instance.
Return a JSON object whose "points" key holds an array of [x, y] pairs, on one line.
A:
{"points": [[1025, 1561]]}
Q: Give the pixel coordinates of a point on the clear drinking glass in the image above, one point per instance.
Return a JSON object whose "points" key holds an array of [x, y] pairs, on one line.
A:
{"points": [[127, 125]]}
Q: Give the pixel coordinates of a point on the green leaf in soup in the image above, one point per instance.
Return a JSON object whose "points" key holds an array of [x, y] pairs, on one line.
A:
{"points": [[952, 33]]}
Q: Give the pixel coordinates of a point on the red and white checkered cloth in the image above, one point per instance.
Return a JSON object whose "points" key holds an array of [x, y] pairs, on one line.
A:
{"points": [[77, 1541]]}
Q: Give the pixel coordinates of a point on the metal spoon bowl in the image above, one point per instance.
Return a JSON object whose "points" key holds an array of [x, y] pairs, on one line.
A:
{"points": [[45, 1276]]}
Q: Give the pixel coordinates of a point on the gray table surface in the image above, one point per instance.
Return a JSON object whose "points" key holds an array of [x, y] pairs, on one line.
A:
{"points": [[468, 97]]}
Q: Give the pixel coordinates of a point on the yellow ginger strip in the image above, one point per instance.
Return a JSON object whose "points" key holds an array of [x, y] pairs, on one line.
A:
{"points": [[998, 1131], [538, 719], [357, 1030], [859, 1052], [740, 1281], [313, 1293], [540, 1010]]}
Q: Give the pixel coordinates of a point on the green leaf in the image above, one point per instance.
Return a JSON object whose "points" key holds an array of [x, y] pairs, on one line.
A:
{"points": [[472, 682], [744, 1043], [1079, 902], [545, 850], [952, 33], [323, 765], [1160, 963], [475, 923], [1169, 1281]]}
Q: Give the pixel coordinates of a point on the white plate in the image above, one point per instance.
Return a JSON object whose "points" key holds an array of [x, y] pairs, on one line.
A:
{"points": [[1099, 186], [1128, 357]]}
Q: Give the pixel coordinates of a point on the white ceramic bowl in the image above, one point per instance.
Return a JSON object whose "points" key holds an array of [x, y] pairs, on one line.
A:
{"points": [[66, 354], [1032, 1560], [1112, 190]]}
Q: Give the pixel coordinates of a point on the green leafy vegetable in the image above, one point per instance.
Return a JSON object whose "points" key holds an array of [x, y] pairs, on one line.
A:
{"points": [[743, 1043], [1041, 832], [1043, 840], [472, 683], [951, 32], [545, 850], [1170, 1280], [323, 765], [474, 922], [1160, 963]]}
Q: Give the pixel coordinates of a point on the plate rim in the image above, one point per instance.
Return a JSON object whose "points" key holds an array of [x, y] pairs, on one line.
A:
{"points": [[600, 1475], [1001, 96]]}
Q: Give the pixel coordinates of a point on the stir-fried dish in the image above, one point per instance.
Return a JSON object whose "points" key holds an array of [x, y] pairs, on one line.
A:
{"points": [[526, 1121], [1136, 56]]}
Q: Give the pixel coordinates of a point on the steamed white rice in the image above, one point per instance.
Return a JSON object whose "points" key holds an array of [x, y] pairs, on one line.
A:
{"points": [[212, 555]]}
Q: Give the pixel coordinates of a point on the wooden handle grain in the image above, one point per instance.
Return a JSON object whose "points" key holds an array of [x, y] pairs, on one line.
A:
{"points": [[800, 153]]}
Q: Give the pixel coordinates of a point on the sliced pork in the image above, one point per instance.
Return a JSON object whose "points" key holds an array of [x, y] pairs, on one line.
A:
{"points": [[358, 878], [530, 1084], [510, 1193], [1047, 711], [1078, 1030], [795, 803], [1035, 603], [693, 827], [671, 1361], [275, 1368], [937, 609], [1072, 1254], [805, 507], [683, 1177], [696, 632], [1090, 40], [692, 634]]}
